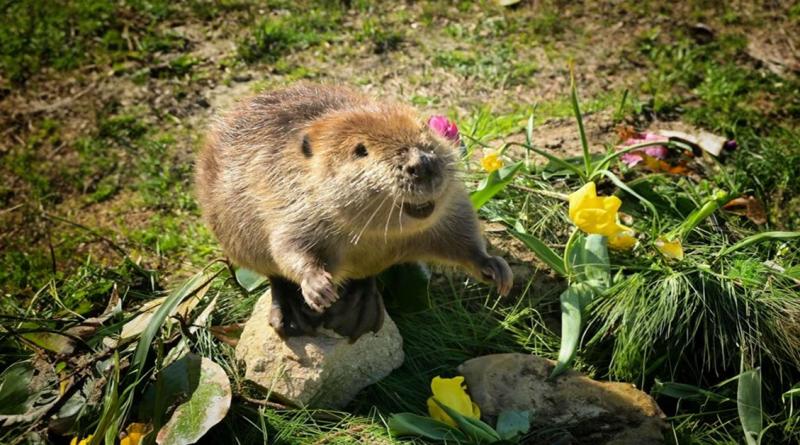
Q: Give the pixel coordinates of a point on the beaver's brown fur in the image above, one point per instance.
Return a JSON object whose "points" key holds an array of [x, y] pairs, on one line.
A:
{"points": [[320, 186]]}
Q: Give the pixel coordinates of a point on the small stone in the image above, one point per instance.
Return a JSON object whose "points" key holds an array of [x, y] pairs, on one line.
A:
{"points": [[600, 413], [323, 371]]}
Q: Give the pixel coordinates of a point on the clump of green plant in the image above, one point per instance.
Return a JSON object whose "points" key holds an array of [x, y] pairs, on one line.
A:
{"points": [[39, 35], [297, 29], [698, 293]]}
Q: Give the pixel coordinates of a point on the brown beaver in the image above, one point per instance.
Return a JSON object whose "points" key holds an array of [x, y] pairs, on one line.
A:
{"points": [[320, 188]]}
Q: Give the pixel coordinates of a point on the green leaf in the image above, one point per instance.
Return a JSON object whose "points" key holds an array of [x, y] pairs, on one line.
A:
{"points": [[187, 289], [572, 302], [618, 182], [760, 238], [576, 109], [493, 184], [699, 215], [588, 258], [406, 424], [52, 341], [684, 391], [249, 280], [543, 251], [748, 399], [405, 287], [511, 424], [207, 404], [16, 396], [476, 430]]}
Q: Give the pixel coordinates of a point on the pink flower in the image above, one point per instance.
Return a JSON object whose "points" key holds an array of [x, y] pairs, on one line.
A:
{"points": [[632, 158], [445, 127]]}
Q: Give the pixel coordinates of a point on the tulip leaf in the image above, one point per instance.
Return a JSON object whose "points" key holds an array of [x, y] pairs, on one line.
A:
{"points": [[405, 287], [543, 251], [205, 405], [407, 424], [572, 301], [588, 258], [761, 237], [748, 399], [493, 184], [511, 424], [249, 280], [16, 396], [478, 431]]}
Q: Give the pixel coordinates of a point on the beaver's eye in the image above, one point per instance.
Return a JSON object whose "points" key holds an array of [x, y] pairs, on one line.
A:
{"points": [[361, 151], [306, 147]]}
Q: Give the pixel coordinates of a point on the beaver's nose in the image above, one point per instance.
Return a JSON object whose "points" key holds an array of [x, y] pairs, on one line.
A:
{"points": [[420, 166]]}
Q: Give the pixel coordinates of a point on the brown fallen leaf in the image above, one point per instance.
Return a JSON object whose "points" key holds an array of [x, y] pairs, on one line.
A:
{"points": [[228, 334], [748, 206]]}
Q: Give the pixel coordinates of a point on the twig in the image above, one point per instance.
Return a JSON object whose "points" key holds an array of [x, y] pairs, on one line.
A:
{"points": [[113, 245], [60, 103], [11, 209], [352, 429], [266, 403], [554, 195]]}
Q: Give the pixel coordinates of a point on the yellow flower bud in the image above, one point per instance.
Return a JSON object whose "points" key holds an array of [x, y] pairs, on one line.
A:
{"points": [[451, 393]]}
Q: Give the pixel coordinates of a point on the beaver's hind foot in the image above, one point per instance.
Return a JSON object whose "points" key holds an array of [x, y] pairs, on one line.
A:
{"points": [[290, 315], [359, 310]]}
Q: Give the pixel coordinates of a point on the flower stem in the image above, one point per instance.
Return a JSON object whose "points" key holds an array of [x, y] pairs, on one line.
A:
{"points": [[567, 249]]}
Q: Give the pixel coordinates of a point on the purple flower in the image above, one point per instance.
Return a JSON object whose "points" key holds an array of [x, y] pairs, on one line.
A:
{"points": [[445, 128], [632, 158], [731, 145]]}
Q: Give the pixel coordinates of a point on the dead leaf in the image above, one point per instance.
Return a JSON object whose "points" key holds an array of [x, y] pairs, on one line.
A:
{"points": [[659, 166], [136, 326], [775, 52], [709, 142], [748, 206], [229, 334]]}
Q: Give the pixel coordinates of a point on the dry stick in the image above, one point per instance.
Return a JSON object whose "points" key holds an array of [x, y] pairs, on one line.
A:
{"points": [[352, 429], [275, 405], [266, 403], [554, 195]]}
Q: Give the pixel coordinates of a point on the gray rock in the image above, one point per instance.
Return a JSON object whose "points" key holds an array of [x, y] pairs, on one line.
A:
{"points": [[324, 371], [586, 410]]}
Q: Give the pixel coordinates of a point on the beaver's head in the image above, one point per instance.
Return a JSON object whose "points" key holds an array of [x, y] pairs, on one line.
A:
{"points": [[383, 168]]}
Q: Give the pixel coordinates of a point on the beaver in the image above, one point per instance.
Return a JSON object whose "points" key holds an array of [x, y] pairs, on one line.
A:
{"points": [[320, 188]]}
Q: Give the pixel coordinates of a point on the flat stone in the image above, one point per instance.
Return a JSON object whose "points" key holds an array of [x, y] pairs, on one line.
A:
{"points": [[588, 411], [322, 371]]}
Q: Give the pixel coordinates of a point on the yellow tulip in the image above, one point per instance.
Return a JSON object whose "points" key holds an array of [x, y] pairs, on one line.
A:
{"points": [[451, 393], [85, 441], [135, 431], [491, 160], [672, 250], [592, 213], [597, 214]]}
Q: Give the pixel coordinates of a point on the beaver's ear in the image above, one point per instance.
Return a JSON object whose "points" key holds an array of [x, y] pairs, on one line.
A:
{"points": [[306, 146]]}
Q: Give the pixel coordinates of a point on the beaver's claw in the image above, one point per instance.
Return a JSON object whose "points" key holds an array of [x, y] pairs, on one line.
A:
{"points": [[318, 289], [495, 269]]}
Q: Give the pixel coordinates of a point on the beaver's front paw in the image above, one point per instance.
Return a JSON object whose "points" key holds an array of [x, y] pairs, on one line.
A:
{"points": [[318, 289], [495, 269]]}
